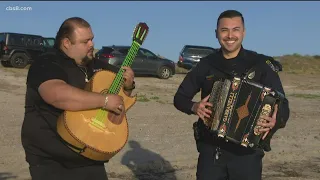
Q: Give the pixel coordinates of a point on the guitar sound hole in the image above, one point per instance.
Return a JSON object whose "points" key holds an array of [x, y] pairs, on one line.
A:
{"points": [[116, 118]]}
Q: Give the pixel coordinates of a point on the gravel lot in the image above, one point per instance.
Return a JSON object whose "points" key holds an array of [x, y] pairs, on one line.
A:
{"points": [[161, 144]]}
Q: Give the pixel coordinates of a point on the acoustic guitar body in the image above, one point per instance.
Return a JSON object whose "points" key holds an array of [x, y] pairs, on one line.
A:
{"points": [[99, 140]]}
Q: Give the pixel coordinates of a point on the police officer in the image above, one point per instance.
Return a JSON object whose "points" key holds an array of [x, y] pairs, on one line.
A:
{"points": [[218, 159]]}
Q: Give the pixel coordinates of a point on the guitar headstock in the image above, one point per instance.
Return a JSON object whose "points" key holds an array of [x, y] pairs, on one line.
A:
{"points": [[140, 32]]}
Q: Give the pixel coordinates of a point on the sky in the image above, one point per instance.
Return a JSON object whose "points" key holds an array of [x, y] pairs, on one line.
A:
{"points": [[272, 28]]}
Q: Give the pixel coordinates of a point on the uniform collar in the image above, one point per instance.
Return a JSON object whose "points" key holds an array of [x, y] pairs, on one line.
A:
{"points": [[240, 63], [241, 54]]}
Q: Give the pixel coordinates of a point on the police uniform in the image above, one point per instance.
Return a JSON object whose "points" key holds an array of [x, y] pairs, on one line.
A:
{"points": [[48, 156], [219, 160]]}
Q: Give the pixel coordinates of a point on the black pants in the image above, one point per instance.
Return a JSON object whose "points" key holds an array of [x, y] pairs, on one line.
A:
{"points": [[229, 166], [58, 172]]}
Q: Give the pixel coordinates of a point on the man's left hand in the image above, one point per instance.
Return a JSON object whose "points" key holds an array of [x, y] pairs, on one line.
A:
{"points": [[128, 76], [270, 122]]}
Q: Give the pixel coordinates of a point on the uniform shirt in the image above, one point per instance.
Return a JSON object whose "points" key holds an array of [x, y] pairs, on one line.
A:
{"points": [[39, 137], [215, 66]]}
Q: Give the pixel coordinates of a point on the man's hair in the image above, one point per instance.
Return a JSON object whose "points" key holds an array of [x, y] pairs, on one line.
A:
{"points": [[67, 28], [230, 14]]}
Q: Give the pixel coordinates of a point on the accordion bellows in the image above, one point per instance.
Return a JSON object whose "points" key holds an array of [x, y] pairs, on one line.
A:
{"points": [[237, 107]]}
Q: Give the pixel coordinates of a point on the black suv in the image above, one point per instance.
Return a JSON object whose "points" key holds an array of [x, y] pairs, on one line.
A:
{"points": [[145, 63], [190, 55], [18, 50]]}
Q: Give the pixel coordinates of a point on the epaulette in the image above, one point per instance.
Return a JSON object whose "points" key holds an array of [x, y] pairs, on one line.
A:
{"points": [[274, 65]]}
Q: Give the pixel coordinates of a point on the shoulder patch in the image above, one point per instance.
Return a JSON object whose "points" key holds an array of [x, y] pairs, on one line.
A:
{"points": [[210, 77], [272, 66]]}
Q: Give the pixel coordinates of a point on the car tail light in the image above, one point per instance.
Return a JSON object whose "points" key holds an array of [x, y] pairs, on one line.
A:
{"points": [[180, 58], [107, 55]]}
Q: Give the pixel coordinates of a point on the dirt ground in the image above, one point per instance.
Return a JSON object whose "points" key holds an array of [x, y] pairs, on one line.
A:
{"points": [[161, 144]]}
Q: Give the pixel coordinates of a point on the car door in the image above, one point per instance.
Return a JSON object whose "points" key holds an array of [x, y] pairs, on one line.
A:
{"points": [[135, 66], [2, 43], [137, 63], [149, 61], [34, 45]]}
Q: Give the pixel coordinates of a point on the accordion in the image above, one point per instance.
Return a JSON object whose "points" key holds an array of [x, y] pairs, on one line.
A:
{"points": [[238, 104]]}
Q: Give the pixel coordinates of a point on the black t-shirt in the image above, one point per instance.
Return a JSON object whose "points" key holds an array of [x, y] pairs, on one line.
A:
{"points": [[39, 137]]}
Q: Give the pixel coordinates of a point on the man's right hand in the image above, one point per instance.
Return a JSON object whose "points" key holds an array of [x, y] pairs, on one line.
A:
{"points": [[200, 109], [115, 103]]}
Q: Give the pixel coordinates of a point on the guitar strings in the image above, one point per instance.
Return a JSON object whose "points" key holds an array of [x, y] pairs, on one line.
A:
{"points": [[115, 87]]}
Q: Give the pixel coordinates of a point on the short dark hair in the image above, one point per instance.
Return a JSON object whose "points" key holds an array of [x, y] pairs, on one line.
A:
{"points": [[67, 28], [230, 14]]}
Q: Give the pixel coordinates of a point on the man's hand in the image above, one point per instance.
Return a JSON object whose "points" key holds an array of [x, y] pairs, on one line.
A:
{"points": [[200, 109], [128, 76], [115, 103], [270, 122]]}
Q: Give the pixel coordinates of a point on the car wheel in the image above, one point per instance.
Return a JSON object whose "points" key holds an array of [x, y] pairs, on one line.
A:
{"points": [[6, 64], [19, 60], [164, 72]]}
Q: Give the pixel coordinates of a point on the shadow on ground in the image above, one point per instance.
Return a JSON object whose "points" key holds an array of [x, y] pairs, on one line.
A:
{"points": [[6, 176], [147, 165]]}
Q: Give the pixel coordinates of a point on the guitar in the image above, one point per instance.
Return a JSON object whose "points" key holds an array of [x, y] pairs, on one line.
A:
{"points": [[99, 134]]}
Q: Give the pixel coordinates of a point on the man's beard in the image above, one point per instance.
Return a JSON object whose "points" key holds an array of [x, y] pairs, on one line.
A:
{"points": [[86, 60]]}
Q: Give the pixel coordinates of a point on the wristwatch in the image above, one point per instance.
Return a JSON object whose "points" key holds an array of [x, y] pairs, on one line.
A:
{"points": [[132, 87]]}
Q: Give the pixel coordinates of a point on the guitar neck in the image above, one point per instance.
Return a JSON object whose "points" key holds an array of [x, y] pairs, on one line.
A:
{"points": [[118, 81]]}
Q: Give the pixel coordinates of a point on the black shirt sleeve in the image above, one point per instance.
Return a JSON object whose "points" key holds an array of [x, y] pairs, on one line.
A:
{"points": [[189, 87], [43, 70], [272, 79]]}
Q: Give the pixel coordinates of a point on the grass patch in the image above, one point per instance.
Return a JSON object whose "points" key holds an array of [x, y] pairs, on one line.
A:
{"points": [[161, 102], [306, 96], [142, 98], [154, 98]]}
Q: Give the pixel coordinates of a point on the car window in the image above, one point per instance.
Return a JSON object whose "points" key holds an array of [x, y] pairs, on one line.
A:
{"points": [[2, 43], [48, 42], [123, 51], [2, 38], [105, 50], [198, 51], [147, 53], [25, 40]]}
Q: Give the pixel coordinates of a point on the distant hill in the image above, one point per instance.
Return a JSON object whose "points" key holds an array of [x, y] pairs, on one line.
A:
{"points": [[298, 64]]}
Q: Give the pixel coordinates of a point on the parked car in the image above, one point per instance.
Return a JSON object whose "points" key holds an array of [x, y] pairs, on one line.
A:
{"points": [[145, 63], [18, 50], [190, 55]]}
